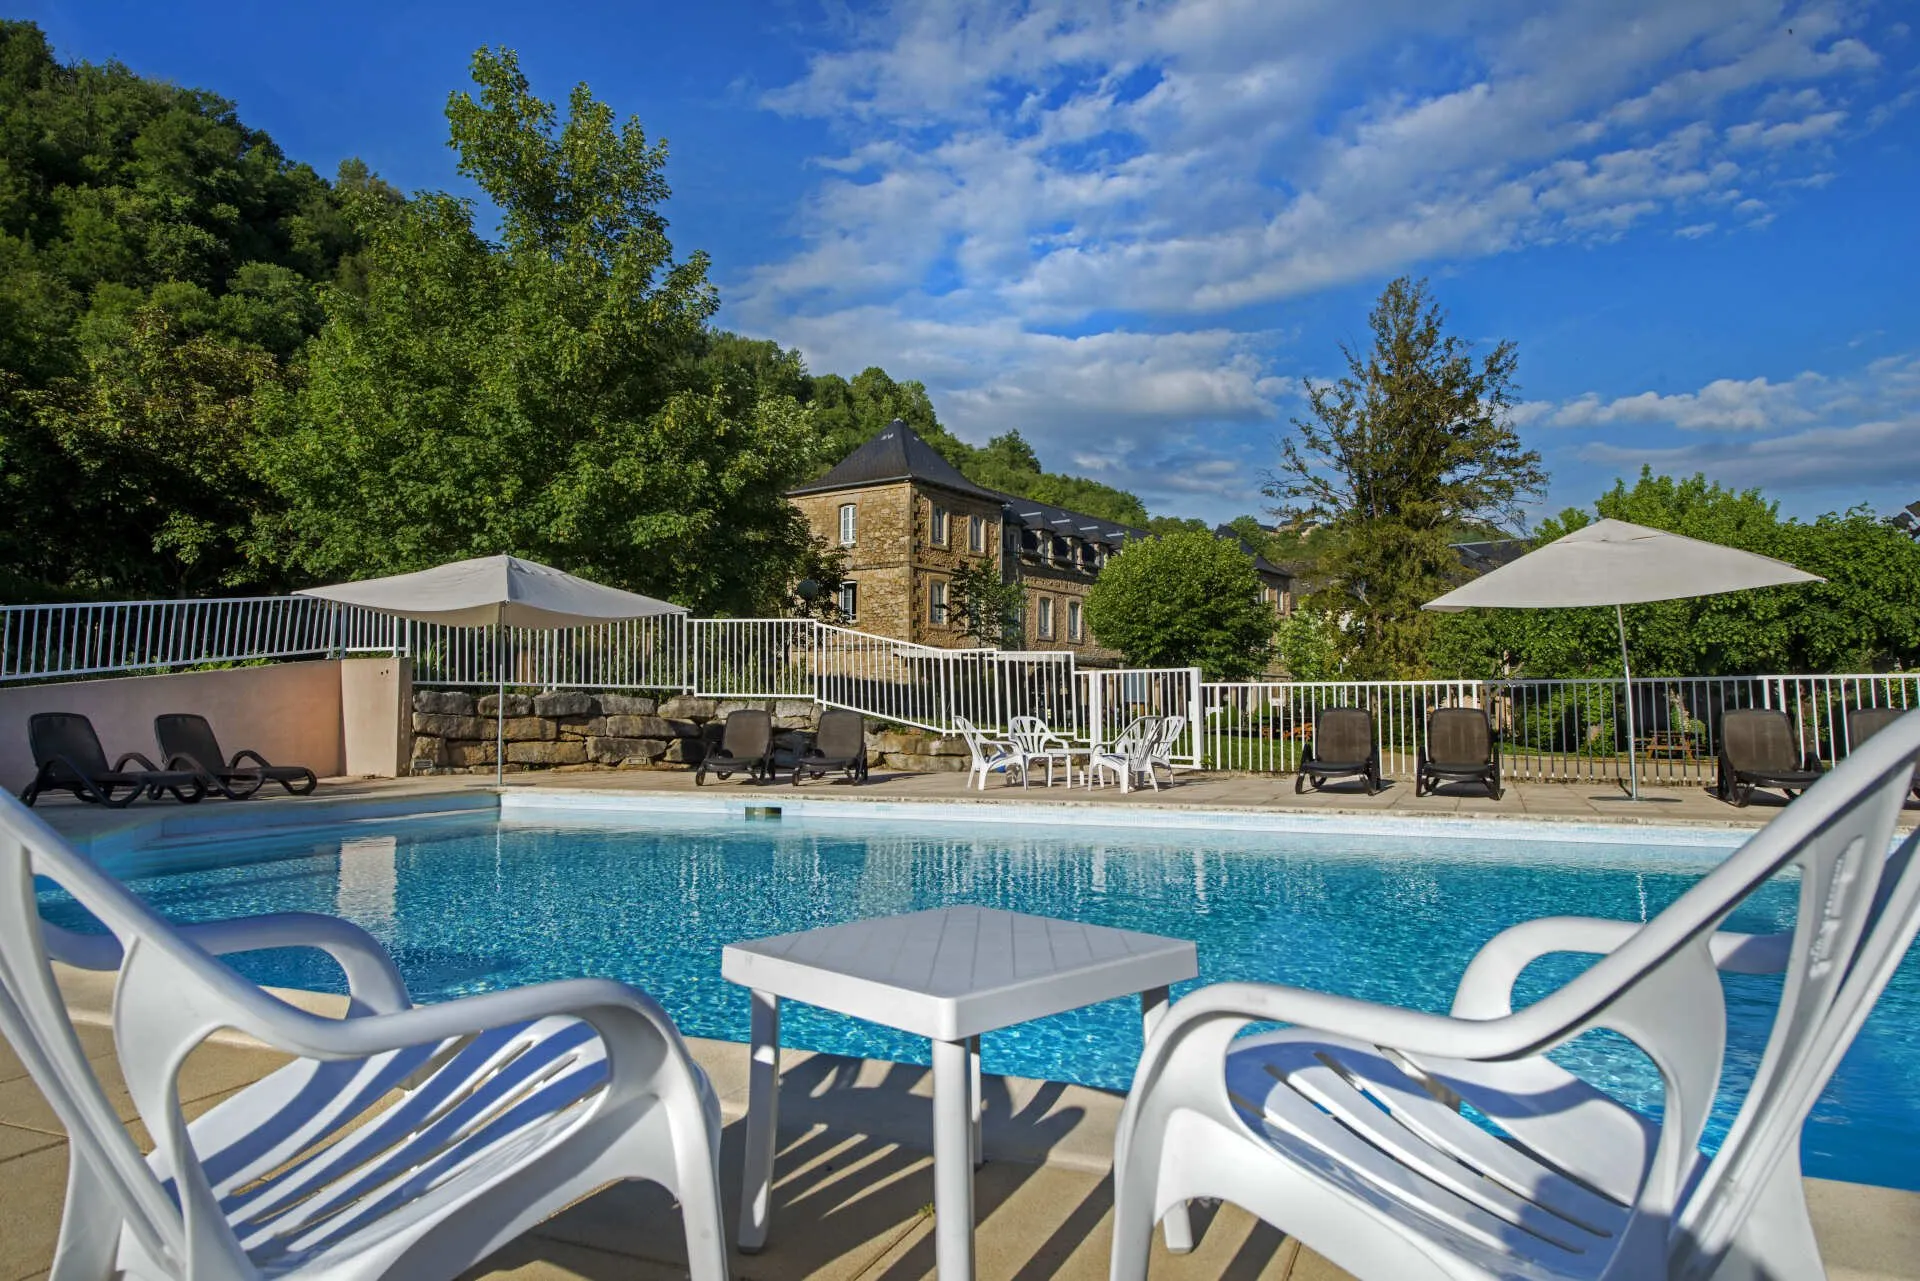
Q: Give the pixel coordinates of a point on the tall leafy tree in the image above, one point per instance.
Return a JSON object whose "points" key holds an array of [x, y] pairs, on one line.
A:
{"points": [[159, 266], [1184, 599], [554, 394], [1865, 617], [1414, 443]]}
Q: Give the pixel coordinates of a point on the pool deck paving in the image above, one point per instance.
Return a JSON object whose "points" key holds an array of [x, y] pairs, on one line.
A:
{"points": [[853, 1178]]}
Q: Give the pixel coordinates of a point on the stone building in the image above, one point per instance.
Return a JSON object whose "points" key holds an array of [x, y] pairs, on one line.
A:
{"points": [[906, 520]]}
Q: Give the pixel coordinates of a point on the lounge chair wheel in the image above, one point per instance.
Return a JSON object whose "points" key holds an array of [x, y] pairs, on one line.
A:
{"points": [[1299, 784], [700, 778]]}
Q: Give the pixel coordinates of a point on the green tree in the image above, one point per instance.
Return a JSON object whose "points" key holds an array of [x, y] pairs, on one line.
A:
{"points": [[556, 395], [1184, 599], [1413, 443], [160, 263], [987, 607], [1308, 645], [1865, 617]]}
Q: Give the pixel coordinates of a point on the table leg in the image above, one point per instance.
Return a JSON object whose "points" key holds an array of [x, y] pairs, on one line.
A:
{"points": [[975, 1105], [952, 1166], [1177, 1225], [763, 1117]]}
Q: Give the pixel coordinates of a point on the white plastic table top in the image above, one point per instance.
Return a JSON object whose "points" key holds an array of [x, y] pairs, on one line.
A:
{"points": [[955, 972]]}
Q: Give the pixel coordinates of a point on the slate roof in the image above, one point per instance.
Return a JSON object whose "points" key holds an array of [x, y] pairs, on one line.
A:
{"points": [[897, 453], [1492, 553], [1260, 563], [1029, 514]]}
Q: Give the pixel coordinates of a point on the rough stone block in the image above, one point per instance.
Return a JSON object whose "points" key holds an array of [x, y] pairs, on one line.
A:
{"points": [[947, 747], [613, 750], [517, 705], [628, 705], [913, 763], [684, 729], [688, 708], [581, 726], [564, 702], [796, 713], [443, 702], [571, 753], [685, 751], [428, 750], [439, 726], [529, 729], [468, 755], [638, 727]]}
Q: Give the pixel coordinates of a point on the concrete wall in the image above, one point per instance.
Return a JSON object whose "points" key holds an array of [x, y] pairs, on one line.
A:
{"points": [[376, 724], [288, 712]]}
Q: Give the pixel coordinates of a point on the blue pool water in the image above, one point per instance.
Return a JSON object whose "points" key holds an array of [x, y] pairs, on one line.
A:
{"points": [[470, 905]]}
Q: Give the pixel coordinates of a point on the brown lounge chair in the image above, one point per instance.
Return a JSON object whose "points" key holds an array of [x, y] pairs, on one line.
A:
{"points": [[840, 744], [1461, 747], [1758, 749], [1343, 746], [1864, 722], [69, 758], [746, 746], [187, 741]]}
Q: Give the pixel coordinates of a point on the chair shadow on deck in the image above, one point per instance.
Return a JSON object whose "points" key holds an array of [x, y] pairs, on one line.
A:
{"points": [[848, 1202]]}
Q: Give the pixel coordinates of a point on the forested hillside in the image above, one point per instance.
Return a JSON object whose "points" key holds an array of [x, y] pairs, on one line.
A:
{"points": [[221, 372]]}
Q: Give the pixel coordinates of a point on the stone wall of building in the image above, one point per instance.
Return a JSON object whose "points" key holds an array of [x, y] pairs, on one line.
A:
{"points": [[879, 561], [574, 730], [937, 562]]}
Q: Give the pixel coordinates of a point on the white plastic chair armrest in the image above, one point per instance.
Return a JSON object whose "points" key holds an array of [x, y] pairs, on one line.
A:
{"points": [[1486, 989], [374, 985]]}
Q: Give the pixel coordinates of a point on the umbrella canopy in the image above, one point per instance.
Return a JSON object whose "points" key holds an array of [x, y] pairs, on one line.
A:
{"points": [[1611, 562], [495, 591]]}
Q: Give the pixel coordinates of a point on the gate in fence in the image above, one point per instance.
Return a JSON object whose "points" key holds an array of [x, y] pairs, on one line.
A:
{"points": [[1114, 698]]}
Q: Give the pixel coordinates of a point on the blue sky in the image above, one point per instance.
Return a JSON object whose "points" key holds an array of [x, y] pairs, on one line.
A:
{"points": [[1130, 230]]}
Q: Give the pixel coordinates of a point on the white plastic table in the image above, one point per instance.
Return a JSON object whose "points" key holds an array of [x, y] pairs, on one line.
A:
{"points": [[949, 974]]}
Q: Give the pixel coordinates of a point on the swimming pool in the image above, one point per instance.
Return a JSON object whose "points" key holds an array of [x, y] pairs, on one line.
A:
{"points": [[470, 904]]}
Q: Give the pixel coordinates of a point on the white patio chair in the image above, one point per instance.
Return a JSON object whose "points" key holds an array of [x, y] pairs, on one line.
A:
{"points": [[1038, 743], [1126, 757], [990, 755], [1340, 1129], [1160, 748], [511, 1105]]}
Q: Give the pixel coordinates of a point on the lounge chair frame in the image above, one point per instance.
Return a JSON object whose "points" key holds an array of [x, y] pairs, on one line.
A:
{"points": [[187, 741], [1318, 769], [745, 747], [1864, 722], [1442, 760], [68, 758], [1743, 766], [839, 744]]}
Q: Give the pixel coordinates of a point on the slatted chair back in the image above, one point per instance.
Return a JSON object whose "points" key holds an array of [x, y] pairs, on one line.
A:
{"points": [[34, 1017], [1760, 740], [842, 735], [748, 734], [1343, 735], [67, 735], [1459, 736], [1858, 912], [185, 734]]}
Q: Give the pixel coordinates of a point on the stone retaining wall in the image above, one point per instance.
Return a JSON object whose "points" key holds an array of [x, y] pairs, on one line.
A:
{"points": [[454, 732]]}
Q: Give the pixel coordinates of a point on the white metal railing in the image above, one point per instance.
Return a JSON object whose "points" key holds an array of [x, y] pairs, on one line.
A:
{"points": [[1559, 731], [39, 642], [1111, 699]]}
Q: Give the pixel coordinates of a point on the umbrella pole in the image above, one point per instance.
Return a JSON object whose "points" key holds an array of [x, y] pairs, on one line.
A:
{"points": [[1633, 768], [500, 700]]}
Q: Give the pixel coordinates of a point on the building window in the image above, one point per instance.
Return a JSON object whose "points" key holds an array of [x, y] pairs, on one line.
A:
{"points": [[1045, 608], [937, 602], [977, 533], [1073, 620], [850, 601], [940, 520], [846, 524]]}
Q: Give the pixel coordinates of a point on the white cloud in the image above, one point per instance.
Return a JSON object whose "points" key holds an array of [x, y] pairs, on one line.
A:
{"points": [[1860, 429], [1143, 174]]}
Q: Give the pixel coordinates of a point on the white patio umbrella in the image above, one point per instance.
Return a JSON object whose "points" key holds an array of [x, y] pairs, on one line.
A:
{"points": [[1611, 562], [499, 592]]}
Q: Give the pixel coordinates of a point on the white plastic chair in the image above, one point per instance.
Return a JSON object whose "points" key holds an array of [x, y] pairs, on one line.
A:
{"points": [[1038, 743], [990, 755], [1341, 1131], [1127, 757], [513, 1104], [1160, 748]]}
